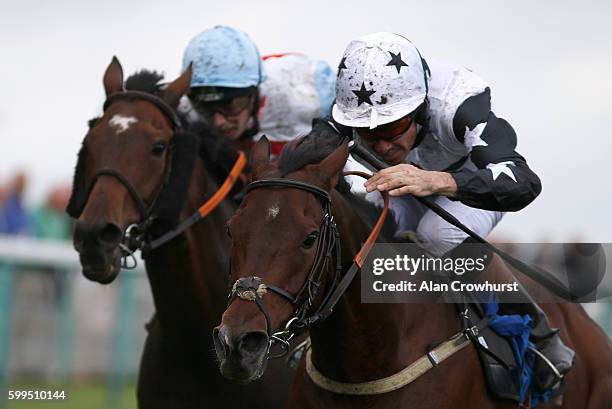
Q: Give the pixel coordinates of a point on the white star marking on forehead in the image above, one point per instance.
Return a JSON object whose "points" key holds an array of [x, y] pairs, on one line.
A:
{"points": [[273, 212], [502, 167], [121, 123], [472, 137]]}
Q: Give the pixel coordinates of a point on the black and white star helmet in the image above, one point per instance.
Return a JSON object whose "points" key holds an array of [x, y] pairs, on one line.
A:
{"points": [[380, 79]]}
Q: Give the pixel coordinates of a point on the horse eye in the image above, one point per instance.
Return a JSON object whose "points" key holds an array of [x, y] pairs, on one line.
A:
{"points": [[159, 148], [227, 231], [310, 240]]}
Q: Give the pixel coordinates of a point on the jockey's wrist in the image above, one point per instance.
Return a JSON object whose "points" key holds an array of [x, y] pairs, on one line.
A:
{"points": [[446, 185]]}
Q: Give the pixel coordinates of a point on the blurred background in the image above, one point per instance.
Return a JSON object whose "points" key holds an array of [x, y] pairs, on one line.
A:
{"points": [[548, 64]]}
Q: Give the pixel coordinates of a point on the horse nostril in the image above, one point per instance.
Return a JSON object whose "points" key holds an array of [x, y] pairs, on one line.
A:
{"points": [[253, 343], [78, 239], [219, 340], [88, 234], [110, 235]]}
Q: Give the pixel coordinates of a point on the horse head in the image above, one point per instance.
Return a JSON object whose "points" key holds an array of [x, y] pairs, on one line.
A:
{"points": [[125, 164], [283, 239]]}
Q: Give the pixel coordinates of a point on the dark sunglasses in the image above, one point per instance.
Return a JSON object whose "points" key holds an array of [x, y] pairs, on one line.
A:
{"points": [[388, 132], [228, 108]]}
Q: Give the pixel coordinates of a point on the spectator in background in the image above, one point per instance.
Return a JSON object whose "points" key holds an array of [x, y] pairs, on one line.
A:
{"points": [[50, 222], [3, 224], [17, 220]]}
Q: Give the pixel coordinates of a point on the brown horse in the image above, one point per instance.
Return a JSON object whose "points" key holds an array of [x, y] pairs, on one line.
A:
{"points": [[138, 168], [277, 234]]}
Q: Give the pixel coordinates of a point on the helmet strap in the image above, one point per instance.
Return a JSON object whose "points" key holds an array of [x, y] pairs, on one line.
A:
{"points": [[421, 115], [253, 130]]}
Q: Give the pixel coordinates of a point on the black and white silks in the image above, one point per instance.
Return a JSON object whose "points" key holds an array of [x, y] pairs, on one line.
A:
{"points": [[464, 137]]}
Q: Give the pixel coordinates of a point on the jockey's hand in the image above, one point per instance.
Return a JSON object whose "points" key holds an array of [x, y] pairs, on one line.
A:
{"points": [[406, 179]]}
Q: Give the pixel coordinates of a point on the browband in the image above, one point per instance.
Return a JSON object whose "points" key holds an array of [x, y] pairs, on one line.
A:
{"points": [[157, 101], [289, 183]]}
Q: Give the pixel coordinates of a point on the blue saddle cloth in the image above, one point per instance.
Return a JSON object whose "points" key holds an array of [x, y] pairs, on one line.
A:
{"points": [[516, 329]]}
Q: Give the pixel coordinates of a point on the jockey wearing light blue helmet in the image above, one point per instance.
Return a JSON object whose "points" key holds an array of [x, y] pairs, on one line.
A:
{"points": [[227, 72], [231, 92]]}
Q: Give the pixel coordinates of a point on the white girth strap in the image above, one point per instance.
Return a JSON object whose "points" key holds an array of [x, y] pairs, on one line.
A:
{"points": [[393, 382]]}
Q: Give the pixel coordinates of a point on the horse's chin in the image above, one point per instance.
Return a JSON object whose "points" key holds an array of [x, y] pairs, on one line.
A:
{"points": [[101, 272], [242, 373]]}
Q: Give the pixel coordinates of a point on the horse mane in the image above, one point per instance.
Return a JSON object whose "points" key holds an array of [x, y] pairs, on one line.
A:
{"points": [[148, 81], [322, 140], [217, 155], [312, 148], [145, 81], [215, 152]]}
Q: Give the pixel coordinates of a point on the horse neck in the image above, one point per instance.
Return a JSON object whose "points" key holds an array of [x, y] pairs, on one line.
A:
{"points": [[369, 341], [188, 274]]}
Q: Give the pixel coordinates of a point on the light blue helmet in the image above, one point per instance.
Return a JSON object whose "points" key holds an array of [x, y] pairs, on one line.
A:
{"points": [[223, 57]]}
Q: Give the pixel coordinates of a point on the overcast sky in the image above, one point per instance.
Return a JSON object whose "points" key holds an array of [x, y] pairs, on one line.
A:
{"points": [[549, 64]]}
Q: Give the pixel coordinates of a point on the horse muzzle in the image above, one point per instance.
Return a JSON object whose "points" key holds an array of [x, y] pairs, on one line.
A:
{"points": [[98, 246], [242, 358]]}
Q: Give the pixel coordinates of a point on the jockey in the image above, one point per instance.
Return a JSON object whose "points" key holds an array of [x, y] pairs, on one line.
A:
{"points": [[434, 124], [240, 96], [297, 90]]}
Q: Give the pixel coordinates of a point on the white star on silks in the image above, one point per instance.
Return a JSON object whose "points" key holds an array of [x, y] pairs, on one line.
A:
{"points": [[502, 167], [472, 136]]}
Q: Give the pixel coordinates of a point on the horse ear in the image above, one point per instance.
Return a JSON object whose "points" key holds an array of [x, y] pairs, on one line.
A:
{"points": [[260, 156], [329, 169], [113, 77], [177, 88]]}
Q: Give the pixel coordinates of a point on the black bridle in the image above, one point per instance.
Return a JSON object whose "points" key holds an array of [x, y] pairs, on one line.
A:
{"points": [[136, 235], [252, 288], [162, 105]]}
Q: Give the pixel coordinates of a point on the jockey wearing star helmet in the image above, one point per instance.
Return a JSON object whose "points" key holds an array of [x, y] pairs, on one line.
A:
{"points": [[435, 126], [368, 96]]}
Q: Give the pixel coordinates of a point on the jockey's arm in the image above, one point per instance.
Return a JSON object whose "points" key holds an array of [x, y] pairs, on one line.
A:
{"points": [[503, 180]]}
